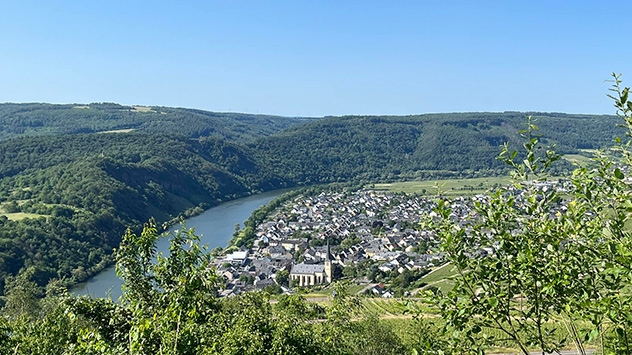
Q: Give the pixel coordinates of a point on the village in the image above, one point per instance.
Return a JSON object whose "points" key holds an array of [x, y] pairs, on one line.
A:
{"points": [[313, 240]]}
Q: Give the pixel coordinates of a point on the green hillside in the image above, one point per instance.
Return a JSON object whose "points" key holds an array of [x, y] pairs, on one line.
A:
{"points": [[87, 188], [424, 146], [36, 119], [66, 200], [91, 187]]}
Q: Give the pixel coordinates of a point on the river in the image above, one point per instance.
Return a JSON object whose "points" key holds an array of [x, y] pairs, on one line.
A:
{"points": [[215, 227]]}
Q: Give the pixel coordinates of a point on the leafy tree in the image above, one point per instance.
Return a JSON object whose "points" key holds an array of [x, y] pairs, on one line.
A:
{"points": [[549, 261], [11, 207], [349, 242], [273, 289], [349, 271], [282, 277], [169, 306], [22, 295]]}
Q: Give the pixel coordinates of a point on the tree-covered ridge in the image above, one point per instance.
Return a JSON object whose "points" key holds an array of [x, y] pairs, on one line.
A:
{"points": [[36, 119], [371, 147], [89, 188], [542, 264]]}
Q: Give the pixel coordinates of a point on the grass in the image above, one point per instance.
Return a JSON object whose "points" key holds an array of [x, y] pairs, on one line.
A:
{"points": [[384, 307], [440, 273], [440, 278], [119, 131], [352, 290], [16, 216], [590, 154], [415, 331], [142, 109], [442, 285], [576, 158], [20, 215], [448, 187]]}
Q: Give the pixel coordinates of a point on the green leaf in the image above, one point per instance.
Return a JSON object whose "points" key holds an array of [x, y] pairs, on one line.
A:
{"points": [[527, 163], [618, 174], [493, 301]]}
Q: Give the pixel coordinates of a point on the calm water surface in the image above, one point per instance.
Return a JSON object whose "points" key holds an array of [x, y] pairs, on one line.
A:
{"points": [[215, 227]]}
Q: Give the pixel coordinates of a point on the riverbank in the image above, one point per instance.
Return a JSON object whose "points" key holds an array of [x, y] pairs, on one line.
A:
{"points": [[215, 227]]}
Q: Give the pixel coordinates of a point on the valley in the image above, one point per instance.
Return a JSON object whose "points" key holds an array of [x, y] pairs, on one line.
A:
{"points": [[104, 183], [315, 178], [365, 191]]}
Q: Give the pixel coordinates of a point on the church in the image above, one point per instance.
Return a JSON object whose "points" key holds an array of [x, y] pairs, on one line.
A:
{"points": [[312, 274]]}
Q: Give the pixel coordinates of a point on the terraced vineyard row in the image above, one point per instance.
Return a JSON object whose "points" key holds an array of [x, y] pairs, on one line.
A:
{"points": [[384, 307]]}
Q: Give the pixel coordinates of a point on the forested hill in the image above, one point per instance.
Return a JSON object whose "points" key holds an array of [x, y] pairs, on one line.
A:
{"points": [[36, 119], [378, 147], [80, 191]]}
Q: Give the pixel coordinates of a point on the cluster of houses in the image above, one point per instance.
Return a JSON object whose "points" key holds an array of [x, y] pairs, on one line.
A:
{"points": [[383, 227]]}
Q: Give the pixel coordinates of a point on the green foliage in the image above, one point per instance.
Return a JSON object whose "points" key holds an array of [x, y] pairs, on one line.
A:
{"points": [[420, 147], [11, 207], [36, 119], [283, 277], [169, 307], [546, 267], [92, 186], [21, 297], [554, 256], [372, 337], [349, 242]]}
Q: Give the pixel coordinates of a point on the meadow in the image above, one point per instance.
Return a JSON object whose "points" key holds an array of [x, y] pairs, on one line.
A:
{"points": [[446, 187]]}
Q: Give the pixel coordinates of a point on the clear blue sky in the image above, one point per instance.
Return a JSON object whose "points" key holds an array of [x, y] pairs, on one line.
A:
{"points": [[315, 58]]}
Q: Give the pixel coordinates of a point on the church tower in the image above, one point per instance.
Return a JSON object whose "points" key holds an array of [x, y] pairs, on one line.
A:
{"points": [[328, 273]]}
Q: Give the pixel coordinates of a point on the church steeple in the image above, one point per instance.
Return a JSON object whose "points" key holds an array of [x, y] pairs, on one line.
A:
{"points": [[328, 263]]}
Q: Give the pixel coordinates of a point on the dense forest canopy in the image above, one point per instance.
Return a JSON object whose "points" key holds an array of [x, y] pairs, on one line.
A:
{"points": [[457, 144], [89, 188], [81, 190], [35, 119]]}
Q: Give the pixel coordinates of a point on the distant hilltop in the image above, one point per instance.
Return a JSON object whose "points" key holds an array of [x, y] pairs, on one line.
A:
{"points": [[32, 119]]}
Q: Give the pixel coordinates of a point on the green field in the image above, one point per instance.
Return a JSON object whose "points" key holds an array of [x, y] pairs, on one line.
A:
{"points": [[440, 278], [447, 187], [20, 215], [118, 131], [16, 216], [442, 272], [442, 285], [352, 290], [589, 154], [384, 307], [576, 158]]}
